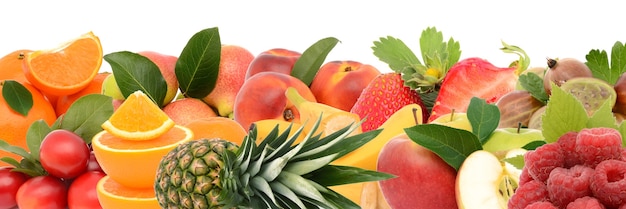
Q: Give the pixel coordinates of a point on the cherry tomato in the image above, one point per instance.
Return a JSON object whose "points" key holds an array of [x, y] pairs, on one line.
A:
{"points": [[42, 192], [93, 164], [82, 193], [64, 154], [10, 182]]}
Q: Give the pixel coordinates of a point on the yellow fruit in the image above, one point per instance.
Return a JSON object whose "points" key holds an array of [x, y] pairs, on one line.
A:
{"points": [[138, 118], [113, 195]]}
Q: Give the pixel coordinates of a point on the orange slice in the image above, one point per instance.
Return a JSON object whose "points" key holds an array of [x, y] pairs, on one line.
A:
{"points": [[134, 163], [66, 69], [138, 118], [217, 127], [111, 194]]}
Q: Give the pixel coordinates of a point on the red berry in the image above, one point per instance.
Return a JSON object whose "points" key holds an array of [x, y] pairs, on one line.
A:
{"points": [[585, 203], [524, 176], [595, 145], [608, 183], [541, 205], [530, 192], [568, 144], [566, 185], [542, 160]]}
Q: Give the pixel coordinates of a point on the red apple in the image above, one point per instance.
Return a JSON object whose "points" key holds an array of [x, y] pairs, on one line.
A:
{"points": [[262, 96], [275, 60], [340, 83], [423, 179]]}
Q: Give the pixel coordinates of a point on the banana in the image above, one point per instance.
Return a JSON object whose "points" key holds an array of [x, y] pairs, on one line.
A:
{"points": [[332, 118]]}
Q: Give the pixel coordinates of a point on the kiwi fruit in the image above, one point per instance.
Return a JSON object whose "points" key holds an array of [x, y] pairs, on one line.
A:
{"points": [[561, 70], [592, 92]]}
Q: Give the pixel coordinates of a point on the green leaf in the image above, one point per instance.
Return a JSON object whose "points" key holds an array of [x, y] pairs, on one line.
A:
{"points": [[395, 53], [17, 96], [312, 59], [35, 135], [564, 113], [598, 63], [483, 117], [517, 161], [5, 146], [533, 145], [532, 83], [10, 161], [199, 63], [451, 144], [436, 53], [135, 72], [86, 115], [344, 175], [603, 117]]}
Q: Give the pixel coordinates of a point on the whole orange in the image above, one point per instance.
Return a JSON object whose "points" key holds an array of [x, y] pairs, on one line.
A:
{"points": [[14, 126], [11, 66]]}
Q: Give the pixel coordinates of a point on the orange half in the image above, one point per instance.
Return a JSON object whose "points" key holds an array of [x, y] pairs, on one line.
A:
{"points": [[112, 194], [138, 118], [66, 69]]}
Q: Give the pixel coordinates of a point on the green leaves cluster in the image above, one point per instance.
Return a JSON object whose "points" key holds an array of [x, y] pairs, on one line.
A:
{"points": [[598, 63]]}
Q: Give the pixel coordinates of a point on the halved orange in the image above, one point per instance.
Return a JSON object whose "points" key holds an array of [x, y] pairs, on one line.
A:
{"points": [[134, 163], [138, 118], [217, 127], [66, 69], [112, 194]]}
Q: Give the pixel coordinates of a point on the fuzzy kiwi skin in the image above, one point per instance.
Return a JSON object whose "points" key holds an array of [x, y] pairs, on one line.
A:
{"points": [[561, 70]]}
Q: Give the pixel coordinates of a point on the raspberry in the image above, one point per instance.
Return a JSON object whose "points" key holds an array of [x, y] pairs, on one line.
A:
{"points": [[585, 203], [524, 176], [568, 145], [566, 185], [608, 183], [530, 192], [541, 205], [542, 160], [595, 145]]}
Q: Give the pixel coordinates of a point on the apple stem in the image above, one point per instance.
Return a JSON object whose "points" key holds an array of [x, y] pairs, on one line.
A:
{"points": [[519, 127], [415, 116], [451, 114]]}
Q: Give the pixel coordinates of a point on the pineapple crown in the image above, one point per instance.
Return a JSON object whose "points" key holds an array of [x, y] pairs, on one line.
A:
{"points": [[277, 173]]}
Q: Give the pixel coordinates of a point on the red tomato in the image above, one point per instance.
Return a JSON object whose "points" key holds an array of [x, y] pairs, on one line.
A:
{"points": [[64, 154], [10, 182], [82, 193], [42, 192]]}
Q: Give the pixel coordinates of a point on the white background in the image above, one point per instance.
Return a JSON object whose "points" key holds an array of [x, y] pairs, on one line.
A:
{"points": [[542, 28]]}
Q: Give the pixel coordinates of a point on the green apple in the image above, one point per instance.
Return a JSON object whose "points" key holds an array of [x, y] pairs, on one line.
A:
{"points": [[504, 139], [485, 181], [455, 120], [110, 88]]}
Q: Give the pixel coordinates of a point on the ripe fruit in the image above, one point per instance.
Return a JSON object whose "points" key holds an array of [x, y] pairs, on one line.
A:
{"points": [[42, 192], [472, 77], [64, 154], [18, 123], [138, 118], [186, 110], [383, 96], [110, 88], [516, 108], [262, 96], [10, 182], [82, 192], [562, 70], [217, 127], [592, 92], [166, 64], [423, 179], [455, 120], [345, 78], [114, 195], [95, 87], [505, 139], [11, 66], [234, 62], [274, 60], [66, 69]]}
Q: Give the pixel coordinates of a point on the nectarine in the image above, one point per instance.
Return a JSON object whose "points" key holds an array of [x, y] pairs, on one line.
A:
{"points": [[340, 83]]}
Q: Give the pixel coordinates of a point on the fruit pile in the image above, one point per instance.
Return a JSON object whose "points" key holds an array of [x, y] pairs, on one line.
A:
{"points": [[582, 169], [286, 129]]}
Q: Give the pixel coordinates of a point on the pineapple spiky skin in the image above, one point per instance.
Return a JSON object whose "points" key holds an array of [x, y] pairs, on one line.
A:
{"points": [[189, 174]]}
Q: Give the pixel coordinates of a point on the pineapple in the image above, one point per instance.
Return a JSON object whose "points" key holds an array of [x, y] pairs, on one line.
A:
{"points": [[214, 173]]}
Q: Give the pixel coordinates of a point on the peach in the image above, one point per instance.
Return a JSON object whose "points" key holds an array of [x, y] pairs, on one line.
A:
{"points": [[234, 62], [262, 96], [276, 60], [423, 179], [185, 110], [340, 83], [167, 65]]}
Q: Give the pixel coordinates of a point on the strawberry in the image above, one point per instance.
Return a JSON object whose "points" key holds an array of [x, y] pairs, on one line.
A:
{"points": [[472, 77], [382, 97]]}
